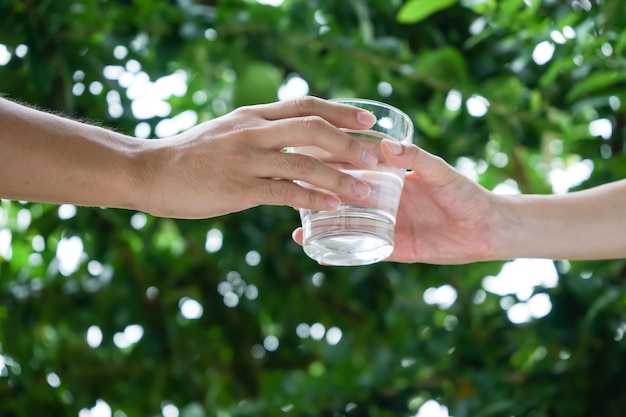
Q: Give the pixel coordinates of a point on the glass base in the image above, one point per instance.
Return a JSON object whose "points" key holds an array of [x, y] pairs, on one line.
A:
{"points": [[362, 238]]}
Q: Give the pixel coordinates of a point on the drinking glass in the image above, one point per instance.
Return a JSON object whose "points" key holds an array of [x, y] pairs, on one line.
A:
{"points": [[359, 232]]}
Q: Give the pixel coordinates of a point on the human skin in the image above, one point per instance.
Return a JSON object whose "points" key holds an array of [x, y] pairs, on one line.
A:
{"points": [[446, 218], [225, 165]]}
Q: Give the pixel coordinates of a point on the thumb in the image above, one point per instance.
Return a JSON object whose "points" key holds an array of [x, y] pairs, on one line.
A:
{"points": [[430, 168]]}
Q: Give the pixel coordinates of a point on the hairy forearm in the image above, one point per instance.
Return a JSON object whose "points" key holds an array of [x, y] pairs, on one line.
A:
{"points": [[51, 159], [588, 224]]}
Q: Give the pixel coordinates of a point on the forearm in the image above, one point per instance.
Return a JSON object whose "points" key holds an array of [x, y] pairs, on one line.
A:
{"points": [[588, 224], [51, 159]]}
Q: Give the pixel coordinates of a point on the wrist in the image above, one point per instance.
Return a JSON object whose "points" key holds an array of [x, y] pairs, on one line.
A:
{"points": [[509, 233], [146, 158]]}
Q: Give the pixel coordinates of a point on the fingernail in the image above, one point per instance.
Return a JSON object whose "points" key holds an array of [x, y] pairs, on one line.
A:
{"points": [[366, 118], [333, 202], [361, 189], [394, 147], [369, 158]]}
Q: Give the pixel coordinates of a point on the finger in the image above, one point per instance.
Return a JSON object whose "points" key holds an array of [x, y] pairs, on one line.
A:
{"points": [[339, 115], [430, 168], [314, 132], [288, 193], [292, 166], [297, 236]]}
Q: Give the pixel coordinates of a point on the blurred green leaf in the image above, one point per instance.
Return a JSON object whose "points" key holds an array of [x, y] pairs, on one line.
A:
{"points": [[595, 84], [445, 65], [256, 84], [414, 11]]}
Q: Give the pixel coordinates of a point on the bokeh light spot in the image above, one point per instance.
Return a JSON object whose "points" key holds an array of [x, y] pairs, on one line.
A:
{"points": [[303, 330], [444, 296], [477, 106], [318, 279], [252, 292], [138, 221], [101, 409], [67, 211], [257, 351], [271, 343], [295, 87], [231, 299], [214, 240], [169, 410], [190, 308], [602, 128], [432, 408], [274, 3], [21, 50], [253, 258], [69, 253], [53, 380], [120, 52], [23, 219], [333, 335], [454, 100], [384, 89], [5, 55], [94, 336], [317, 331], [521, 276], [543, 52]]}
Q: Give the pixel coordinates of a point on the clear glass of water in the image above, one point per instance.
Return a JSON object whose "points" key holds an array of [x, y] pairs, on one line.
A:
{"points": [[360, 232]]}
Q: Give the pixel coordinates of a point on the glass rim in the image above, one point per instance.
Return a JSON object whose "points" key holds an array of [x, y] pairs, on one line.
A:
{"points": [[348, 100]]}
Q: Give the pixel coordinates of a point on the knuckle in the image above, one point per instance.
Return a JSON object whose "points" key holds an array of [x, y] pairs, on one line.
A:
{"points": [[240, 112], [278, 191], [439, 161], [248, 131], [312, 122], [245, 110], [315, 200], [352, 144], [435, 160], [305, 104], [416, 154], [345, 181], [268, 193], [245, 117], [305, 166]]}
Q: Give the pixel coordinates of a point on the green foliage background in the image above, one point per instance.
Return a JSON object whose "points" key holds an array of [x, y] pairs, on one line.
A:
{"points": [[396, 351]]}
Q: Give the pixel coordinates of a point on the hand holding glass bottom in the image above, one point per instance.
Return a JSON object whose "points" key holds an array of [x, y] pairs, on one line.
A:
{"points": [[360, 232]]}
